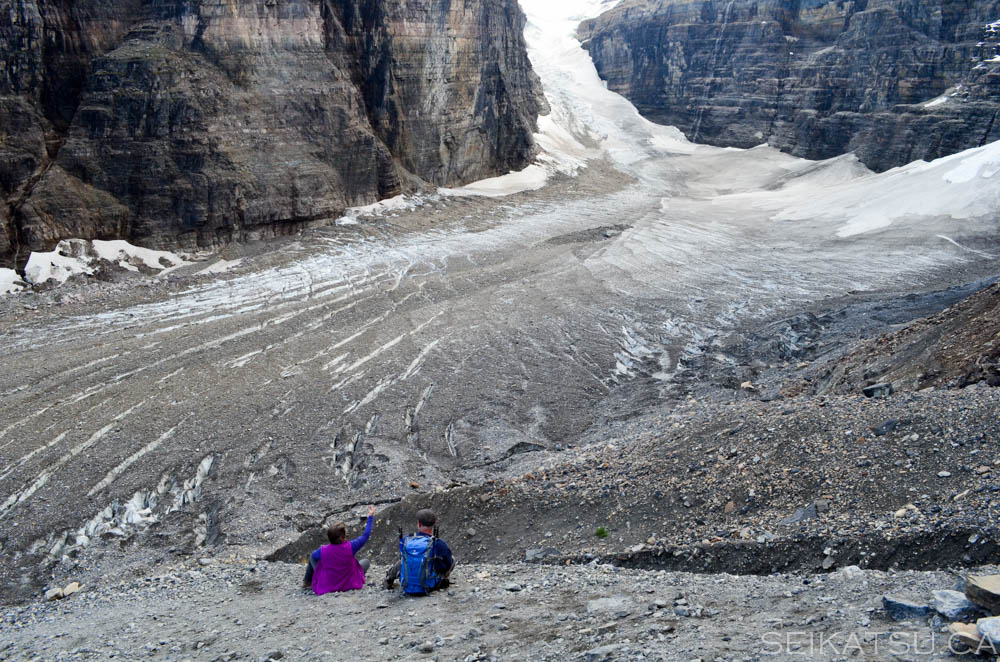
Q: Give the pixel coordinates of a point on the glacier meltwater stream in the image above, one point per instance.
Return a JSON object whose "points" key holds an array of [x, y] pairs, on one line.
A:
{"points": [[356, 356]]}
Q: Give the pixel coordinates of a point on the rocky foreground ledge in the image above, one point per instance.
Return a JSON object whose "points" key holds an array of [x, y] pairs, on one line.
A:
{"points": [[246, 609]]}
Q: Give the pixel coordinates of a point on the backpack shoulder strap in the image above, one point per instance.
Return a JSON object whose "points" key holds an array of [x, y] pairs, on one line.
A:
{"points": [[428, 577]]}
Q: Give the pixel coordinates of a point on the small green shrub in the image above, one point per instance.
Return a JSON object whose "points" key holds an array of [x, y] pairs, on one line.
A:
{"points": [[601, 532]]}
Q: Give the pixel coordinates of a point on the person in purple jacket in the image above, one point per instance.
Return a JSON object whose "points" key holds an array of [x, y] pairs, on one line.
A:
{"points": [[333, 567]]}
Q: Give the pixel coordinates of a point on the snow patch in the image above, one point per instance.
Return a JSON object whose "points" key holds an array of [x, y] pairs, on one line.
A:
{"points": [[67, 260], [130, 257], [73, 257], [381, 208], [10, 282], [961, 186], [982, 163], [220, 266], [945, 97], [531, 178]]}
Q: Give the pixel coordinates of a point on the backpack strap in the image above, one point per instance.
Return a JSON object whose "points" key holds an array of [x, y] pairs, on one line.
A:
{"points": [[428, 566], [403, 574]]}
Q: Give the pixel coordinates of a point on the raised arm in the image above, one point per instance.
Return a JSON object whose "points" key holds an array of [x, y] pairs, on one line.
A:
{"points": [[358, 543]]}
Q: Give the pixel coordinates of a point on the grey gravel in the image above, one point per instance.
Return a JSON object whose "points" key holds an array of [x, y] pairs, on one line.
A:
{"points": [[246, 609]]}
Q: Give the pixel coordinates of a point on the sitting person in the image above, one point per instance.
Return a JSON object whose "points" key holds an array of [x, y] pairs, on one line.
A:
{"points": [[425, 563], [333, 567]]}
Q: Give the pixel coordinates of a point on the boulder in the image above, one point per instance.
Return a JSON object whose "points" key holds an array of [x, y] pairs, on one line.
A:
{"points": [[985, 592], [522, 447], [965, 634], [849, 573], [878, 390], [899, 609], [989, 629], [609, 652], [539, 553], [801, 515], [611, 604], [954, 606], [885, 427]]}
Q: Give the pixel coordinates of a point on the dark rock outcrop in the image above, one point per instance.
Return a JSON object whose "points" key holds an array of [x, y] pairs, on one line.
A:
{"points": [[816, 78], [957, 347], [195, 123]]}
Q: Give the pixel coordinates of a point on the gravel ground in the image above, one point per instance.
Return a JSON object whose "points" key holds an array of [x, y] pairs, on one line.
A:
{"points": [[237, 609]]}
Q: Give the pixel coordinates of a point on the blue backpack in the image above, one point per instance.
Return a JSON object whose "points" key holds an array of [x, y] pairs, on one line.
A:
{"points": [[417, 575]]}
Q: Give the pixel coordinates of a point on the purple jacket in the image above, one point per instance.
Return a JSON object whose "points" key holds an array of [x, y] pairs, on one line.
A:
{"points": [[336, 567]]}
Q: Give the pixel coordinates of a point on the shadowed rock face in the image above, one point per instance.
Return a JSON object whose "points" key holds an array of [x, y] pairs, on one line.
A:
{"points": [[196, 123], [815, 78], [954, 348]]}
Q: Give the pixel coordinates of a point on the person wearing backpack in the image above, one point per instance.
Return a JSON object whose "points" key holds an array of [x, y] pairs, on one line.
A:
{"points": [[333, 567], [425, 562]]}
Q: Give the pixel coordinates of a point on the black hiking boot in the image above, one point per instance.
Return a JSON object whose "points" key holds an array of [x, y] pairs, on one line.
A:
{"points": [[390, 576]]}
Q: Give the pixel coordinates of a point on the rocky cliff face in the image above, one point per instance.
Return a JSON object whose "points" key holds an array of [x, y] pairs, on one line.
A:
{"points": [[815, 78], [199, 122]]}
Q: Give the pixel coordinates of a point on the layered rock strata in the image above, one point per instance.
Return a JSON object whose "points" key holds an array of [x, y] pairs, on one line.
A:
{"points": [[196, 123], [892, 80]]}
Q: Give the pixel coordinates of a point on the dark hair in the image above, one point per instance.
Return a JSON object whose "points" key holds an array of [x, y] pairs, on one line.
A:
{"points": [[426, 517], [337, 533]]}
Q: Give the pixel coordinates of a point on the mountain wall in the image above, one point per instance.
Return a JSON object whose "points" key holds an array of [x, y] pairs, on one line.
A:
{"points": [[196, 122], [892, 80]]}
